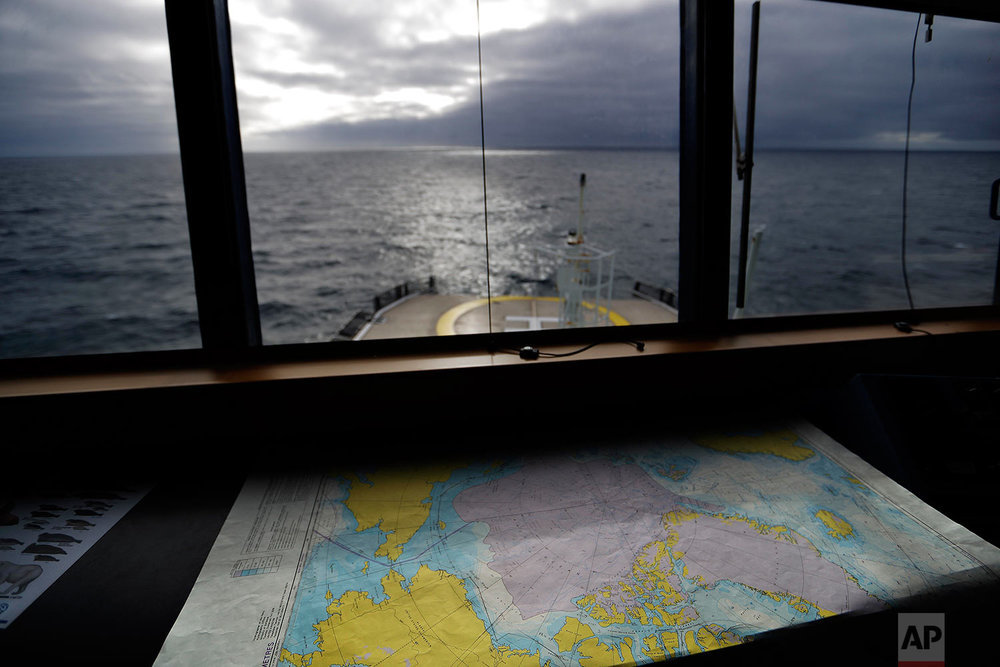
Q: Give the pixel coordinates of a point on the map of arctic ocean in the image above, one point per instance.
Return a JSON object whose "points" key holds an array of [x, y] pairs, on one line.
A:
{"points": [[620, 556]]}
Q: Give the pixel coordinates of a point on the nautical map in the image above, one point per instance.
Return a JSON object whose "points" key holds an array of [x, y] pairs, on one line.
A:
{"points": [[600, 556]]}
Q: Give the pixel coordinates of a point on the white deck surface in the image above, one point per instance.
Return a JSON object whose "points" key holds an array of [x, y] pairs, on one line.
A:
{"points": [[447, 314]]}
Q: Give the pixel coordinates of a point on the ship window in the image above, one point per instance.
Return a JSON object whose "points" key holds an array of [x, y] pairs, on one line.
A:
{"points": [[363, 165], [841, 218], [94, 249], [361, 130]]}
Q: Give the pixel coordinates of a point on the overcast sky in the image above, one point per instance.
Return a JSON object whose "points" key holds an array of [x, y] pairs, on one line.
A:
{"points": [[94, 77]]}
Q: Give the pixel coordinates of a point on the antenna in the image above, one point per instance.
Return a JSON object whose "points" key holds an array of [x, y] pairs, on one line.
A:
{"points": [[577, 238], [741, 159]]}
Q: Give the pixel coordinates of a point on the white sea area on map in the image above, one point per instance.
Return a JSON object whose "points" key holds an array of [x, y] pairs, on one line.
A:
{"points": [[889, 554], [873, 554]]}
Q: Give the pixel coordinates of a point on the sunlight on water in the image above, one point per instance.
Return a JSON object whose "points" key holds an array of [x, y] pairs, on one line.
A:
{"points": [[95, 257], [357, 223]]}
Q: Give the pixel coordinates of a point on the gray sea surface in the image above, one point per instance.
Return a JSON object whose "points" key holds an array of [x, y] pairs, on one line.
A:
{"points": [[95, 255]]}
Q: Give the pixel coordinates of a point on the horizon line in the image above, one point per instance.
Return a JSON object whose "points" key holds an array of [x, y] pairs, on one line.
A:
{"points": [[540, 147]]}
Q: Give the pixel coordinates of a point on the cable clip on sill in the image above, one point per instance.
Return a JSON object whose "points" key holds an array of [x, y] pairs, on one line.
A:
{"points": [[529, 353], [908, 328]]}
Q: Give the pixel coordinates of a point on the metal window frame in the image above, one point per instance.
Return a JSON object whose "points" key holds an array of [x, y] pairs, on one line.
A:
{"points": [[706, 146], [960, 9], [215, 190], [706, 167], [212, 165]]}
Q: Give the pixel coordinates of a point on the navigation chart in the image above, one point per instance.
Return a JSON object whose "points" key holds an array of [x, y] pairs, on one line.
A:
{"points": [[602, 556]]}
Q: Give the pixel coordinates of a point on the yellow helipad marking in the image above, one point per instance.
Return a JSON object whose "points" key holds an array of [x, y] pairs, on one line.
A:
{"points": [[446, 323]]}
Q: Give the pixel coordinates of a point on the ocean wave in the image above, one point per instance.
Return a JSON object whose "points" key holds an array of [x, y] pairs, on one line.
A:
{"points": [[329, 234]]}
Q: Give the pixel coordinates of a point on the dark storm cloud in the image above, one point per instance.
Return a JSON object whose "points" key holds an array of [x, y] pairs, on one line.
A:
{"points": [[366, 58], [76, 80], [835, 76], [337, 27], [829, 76], [608, 80]]}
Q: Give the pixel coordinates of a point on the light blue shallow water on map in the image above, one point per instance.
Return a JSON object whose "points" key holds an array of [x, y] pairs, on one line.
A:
{"points": [[335, 564], [844, 498], [95, 257], [765, 488]]}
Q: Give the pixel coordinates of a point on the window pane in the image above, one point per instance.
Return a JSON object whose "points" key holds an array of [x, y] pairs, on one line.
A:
{"points": [[588, 92], [94, 255], [357, 122], [828, 178], [361, 128]]}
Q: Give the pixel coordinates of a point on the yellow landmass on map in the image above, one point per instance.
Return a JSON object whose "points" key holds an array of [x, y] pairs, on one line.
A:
{"points": [[839, 528], [572, 631], [706, 638], [779, 443], [716, 636], [606, 616], [671, 519], [709, 637], [651, 648], [798, 603], [660, 602], [855, 481], [674, 472], [656, 600], [432, 623], [782, 533], [397, 502], [592, 651], [671, 642], [651, 568], [667, 645], [639, 614]]}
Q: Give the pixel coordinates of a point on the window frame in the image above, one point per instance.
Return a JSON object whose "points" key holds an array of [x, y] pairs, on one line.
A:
{"points": [[211, 151], [216, 201], [208, 124]]}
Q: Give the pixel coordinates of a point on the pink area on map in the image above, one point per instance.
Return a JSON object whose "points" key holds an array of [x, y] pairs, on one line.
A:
{"points": [[716, 549], [559, 531]]}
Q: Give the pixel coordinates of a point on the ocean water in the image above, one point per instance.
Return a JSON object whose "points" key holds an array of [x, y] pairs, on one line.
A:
{"points": [[95, 257]]}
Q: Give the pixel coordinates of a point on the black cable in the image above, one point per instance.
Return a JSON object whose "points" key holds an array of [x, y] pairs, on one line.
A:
{"points": [[566, 354], [482, 138], [907, 328], [529, 353], [906, 156]]}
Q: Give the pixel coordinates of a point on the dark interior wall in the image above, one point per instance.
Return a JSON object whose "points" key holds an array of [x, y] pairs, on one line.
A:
{"points": [[898, 403]]}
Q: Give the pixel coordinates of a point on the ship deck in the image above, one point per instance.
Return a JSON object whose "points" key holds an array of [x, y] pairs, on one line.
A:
{"points": [[450, 314]]}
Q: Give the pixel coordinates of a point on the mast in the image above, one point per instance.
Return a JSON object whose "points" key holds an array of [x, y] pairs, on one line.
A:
{"points": [[577, 238]]}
